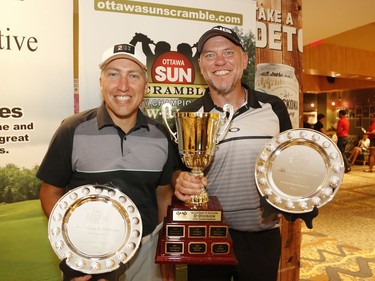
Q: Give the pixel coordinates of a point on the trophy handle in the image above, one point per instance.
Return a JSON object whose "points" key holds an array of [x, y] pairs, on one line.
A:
{"points": [[166, 112], [228, 108]]}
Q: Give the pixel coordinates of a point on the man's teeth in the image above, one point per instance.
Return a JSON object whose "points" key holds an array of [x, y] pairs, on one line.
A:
{"points": [[122, 98], [221, 72]]}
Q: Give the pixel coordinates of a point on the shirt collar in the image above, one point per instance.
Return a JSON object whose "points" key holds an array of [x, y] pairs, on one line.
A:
{"points": [[104, 119], [252, 101]]}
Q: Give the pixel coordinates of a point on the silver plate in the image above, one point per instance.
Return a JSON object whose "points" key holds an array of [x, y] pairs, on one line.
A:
{"points": [[95, 228], [299, 169]]}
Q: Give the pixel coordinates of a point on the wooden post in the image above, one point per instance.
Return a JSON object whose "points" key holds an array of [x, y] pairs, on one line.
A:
{"points": [[279, 42]]}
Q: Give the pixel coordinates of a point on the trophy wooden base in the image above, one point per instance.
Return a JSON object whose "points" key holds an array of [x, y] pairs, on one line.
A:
{"points": [[195, 236]]}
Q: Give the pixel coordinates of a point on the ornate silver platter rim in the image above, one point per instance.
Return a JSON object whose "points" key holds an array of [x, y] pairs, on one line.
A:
{"points": [[292, 187], [120, 206]]}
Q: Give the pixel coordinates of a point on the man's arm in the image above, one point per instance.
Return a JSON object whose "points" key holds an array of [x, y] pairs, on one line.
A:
{"points": [[49, 195], [164, 197]]}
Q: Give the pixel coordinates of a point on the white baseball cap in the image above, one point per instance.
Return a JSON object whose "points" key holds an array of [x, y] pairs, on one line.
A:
{"points": [[126, 51]]}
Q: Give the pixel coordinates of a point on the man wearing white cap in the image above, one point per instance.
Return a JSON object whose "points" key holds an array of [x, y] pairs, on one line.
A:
{"points": [[115, 145]]}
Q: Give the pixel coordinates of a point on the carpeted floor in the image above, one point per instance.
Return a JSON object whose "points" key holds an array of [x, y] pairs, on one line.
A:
{"points": [[341, 244]]}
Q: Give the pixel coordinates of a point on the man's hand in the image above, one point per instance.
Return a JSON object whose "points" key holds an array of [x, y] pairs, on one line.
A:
{"points": [[73, 275], [187, 184], [84, 278]]}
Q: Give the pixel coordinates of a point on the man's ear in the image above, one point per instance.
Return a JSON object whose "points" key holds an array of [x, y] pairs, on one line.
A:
{"points": [[245, 62]]}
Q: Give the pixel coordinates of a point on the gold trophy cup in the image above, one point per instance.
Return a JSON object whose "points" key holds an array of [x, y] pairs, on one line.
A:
{"points": [[197, 135], [196, 232]]}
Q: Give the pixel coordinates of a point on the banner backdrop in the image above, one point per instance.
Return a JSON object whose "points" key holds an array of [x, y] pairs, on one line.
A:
{"points": [[36, 92], [36, 76], [167, 31]]}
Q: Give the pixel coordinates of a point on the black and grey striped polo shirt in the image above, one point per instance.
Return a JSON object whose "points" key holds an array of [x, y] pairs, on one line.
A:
{"points": [[89, 149]]}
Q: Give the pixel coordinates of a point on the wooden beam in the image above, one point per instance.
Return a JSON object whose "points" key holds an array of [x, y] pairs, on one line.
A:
{"points": [[288, 55]]}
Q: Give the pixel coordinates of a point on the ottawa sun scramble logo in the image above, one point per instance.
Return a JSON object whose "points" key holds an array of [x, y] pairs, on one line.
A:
{"points": [[172, 67]]}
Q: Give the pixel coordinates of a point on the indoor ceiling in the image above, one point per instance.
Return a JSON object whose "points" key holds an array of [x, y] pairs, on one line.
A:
{"points": [[346, 23]]}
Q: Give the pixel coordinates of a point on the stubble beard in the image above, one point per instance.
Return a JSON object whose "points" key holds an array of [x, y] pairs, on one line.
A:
{"points": [[219, 90]]}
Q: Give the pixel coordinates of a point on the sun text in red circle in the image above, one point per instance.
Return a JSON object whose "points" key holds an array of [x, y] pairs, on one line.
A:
{"points": [[172, 67]]}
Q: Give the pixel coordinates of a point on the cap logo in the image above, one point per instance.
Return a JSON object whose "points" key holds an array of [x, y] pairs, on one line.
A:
{"points": [[124, 48], [221, 28]]}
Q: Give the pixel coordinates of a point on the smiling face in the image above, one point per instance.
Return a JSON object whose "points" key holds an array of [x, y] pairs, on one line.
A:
{"points": [[123, 85], [222, 64]]}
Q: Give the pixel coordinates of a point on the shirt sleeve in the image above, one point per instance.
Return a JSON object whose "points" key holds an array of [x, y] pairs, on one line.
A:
{"points": [[56, 166]]}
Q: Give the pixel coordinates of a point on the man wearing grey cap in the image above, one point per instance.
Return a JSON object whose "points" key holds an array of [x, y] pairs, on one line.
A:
{"points": [[258, 117], [115, 145]]}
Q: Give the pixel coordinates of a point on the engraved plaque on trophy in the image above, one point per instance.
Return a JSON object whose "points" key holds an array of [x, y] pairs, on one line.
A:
{"points": [[220, 248], [196, 232], [175, 231], [197, 248], [194, 241]]}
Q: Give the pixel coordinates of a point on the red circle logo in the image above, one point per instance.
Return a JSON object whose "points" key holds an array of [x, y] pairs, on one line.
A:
{"points": [[172, 67]]}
